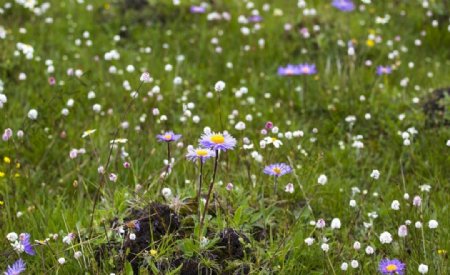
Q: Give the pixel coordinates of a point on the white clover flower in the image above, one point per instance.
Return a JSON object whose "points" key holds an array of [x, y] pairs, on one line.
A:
{"points": [[61, 261], [325, 247], [356, 245], [77, 255], [33, 114], [352, 203], [402, 231], [418, 225], [369, 250], [375, 174], [344, 266], [12, 236], [423, 269], [354, 263], [309, 241], [320, 223], [166, 192], [385, 238], [132, 236], [289, 188], [395, 205], [219, 86], [336, 223], [322, 180], [433, 224]]}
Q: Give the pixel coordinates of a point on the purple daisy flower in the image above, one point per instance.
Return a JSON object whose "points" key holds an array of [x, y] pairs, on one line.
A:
{"points": [[25, 241], [307, 69], [195, 154], [289, 70], [217, 141], [384, 70], [394, 266], [168, 137], [17, 268], [277, 169], [255, 18], [197, 9], [343, 5]]}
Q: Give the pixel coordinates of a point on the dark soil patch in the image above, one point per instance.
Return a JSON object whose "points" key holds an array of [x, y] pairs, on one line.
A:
{"points": [[192, 267], [436, 108], [232, 245], [155, 221]]}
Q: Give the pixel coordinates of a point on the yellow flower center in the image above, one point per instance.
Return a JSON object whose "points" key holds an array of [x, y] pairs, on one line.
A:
{"points": [[391, 267], [168, 136], [274, 139], [305, 70], [217, 139], [201, 152], [276, 170]]}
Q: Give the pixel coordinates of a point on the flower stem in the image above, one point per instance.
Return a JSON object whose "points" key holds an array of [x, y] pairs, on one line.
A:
{"points": [[216, 161], [200, 178]]}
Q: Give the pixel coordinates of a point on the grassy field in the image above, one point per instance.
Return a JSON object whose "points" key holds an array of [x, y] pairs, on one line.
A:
{"points": [[362, 132]]}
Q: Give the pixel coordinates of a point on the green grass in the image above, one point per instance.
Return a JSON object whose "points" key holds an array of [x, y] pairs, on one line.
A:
{"points": [[55, 194]]}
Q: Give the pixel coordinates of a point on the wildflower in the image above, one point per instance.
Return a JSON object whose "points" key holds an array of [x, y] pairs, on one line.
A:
{"points": [[69, 238], [112, 177], [354, 263], [343, 5], [433, 224], [395, 205], [16, 268], [168, 137], [417, 201], [61, 261], [325, 247], [402, 231], [336, 223], [77, 255], [33, 114], [320, 223], [272, 140], [197, 9], [385, 237], [423, 269], [12, 237], [375, 174], [7, 134], [384, 70], [217, 141], [146, 78], [309, 241], [88, 133], [352, 203], [289, 188], [289, 70], [195, 154], [322, 180], [277, 169], [219, 86], [153, 252], [229, 186], [369, 250], [357, 245], [394, 266], [418, 225], [344, 266], [25, 242], [307, 69], [132, 236], [166, 192], [425, 188]]}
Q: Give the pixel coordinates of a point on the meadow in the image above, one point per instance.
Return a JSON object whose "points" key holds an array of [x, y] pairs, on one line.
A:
{"points": [[224, 137]]}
